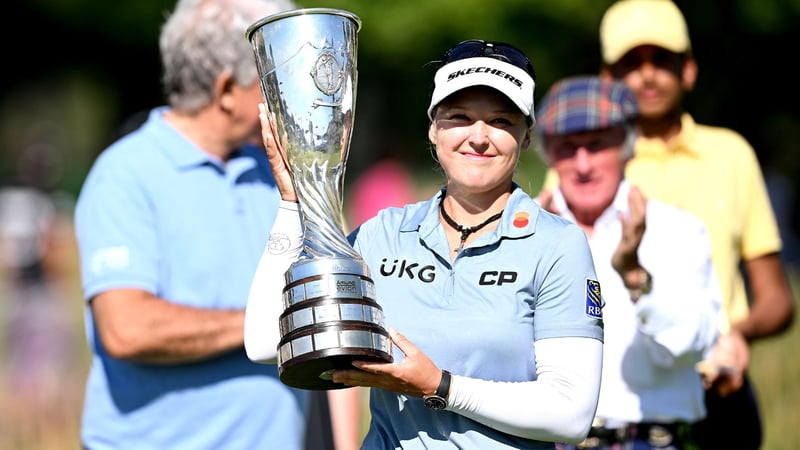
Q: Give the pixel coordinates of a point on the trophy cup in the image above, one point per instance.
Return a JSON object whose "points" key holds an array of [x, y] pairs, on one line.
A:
{"points": [[306, 62]]}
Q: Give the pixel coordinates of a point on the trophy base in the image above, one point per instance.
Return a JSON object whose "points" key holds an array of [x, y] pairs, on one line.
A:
{"points": [[313, 371], [330, 319]]}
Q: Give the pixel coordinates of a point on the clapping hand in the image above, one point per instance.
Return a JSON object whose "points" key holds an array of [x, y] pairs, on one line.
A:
{"points": [[545, 200], [625, 257]]}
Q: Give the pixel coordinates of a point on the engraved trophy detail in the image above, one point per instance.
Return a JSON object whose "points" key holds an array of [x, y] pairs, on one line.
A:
{"points": [[306, 62]]}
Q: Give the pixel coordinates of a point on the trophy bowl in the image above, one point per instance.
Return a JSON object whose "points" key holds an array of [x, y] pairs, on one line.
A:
{"points": [[306, 61]]}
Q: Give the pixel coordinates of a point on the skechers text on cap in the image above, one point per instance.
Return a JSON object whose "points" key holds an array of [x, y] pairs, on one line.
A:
{"points": [[628, 24], [512, 81]]}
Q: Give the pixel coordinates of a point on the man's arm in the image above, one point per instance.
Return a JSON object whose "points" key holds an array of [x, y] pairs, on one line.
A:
{"points": [[345, 409], [135, 325], [771, 312], [772, 306]]}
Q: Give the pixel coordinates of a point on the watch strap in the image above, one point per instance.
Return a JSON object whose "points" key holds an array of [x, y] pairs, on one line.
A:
{"points": [[444, 386], [438, 400]]}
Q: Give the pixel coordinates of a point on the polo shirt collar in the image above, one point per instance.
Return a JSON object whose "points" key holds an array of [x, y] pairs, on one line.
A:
{"points": [[177, 148], [683, 142]]}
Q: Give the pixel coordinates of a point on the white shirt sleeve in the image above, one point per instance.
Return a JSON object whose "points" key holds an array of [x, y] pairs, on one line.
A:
{"points": [[265, 300], [558, 406]]}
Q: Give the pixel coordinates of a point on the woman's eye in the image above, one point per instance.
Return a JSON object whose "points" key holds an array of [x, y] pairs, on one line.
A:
{"points": [[458, 117], [501, 121]]}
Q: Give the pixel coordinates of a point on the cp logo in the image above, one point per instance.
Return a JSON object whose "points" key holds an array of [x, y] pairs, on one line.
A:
{"points": [[493, 277]]}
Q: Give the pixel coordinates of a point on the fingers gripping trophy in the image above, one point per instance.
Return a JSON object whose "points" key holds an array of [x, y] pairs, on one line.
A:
{"points": [[307, 65]]}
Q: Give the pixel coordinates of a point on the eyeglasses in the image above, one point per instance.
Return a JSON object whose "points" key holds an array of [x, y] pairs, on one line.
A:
{"points": [[474, 48]]}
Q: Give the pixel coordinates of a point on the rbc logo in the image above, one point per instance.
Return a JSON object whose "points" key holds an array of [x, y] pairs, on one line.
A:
{"points": [[594, 301]]}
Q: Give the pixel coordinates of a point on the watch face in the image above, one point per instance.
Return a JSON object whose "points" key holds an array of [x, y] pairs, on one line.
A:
{"points": [[434, 402]]}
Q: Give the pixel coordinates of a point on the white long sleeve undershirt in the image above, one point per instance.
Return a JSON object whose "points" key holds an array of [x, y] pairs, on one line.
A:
{"points": [[558, 406], [264, 302]]}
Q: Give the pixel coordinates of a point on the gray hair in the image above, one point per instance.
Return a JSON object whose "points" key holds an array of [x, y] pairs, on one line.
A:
{"points": [[539, 142], [202, 39]]}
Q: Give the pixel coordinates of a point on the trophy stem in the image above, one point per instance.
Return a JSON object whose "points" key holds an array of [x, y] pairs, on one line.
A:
{"points": [[322, 212]]}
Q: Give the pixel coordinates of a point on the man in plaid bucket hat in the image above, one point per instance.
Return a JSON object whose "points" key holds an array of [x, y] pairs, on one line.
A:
{"points": [[661, 294]]}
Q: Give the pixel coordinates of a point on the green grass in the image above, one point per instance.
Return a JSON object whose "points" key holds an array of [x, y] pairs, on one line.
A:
{"points": [[775, 371]]}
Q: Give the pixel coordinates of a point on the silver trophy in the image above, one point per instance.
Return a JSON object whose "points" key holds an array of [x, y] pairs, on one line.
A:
{"points": [[307, 65]]}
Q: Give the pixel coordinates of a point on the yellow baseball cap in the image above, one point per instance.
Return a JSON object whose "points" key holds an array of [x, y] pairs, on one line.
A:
{"points": [[628, 24]]}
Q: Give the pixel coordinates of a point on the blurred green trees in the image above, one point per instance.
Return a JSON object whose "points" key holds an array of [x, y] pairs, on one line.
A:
{"points": [[86, 65]]}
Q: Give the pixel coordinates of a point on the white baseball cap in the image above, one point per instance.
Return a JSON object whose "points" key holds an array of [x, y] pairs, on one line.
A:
{"points": [[512, 81], [628, 24]]}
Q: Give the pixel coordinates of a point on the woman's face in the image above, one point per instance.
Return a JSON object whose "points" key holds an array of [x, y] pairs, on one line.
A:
{"points": [[478, 134]]}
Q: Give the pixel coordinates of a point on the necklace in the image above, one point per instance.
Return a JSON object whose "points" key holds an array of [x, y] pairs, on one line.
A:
{"points": [[465, 231]]}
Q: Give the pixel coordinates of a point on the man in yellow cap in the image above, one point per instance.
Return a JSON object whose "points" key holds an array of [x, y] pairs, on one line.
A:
{"points": [[713, 173]]}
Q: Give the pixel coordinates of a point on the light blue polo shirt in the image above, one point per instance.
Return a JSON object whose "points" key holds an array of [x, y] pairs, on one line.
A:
{"points": [[157, 213], [531, 278]]}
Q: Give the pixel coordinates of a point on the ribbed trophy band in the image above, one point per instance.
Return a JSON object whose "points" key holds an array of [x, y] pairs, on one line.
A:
{"points": [[318, 313], [340, 285], [329, 320]]}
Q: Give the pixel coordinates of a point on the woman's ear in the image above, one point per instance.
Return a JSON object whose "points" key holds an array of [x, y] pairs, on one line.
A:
{"points": [[526, 141], [432, 132]]}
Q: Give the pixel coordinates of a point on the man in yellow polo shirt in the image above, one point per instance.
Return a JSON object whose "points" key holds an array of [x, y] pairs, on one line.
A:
{"points": [[713, 173]]}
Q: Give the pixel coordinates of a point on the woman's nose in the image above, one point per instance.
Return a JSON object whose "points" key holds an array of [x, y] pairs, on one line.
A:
{"points": [[479, 133]]}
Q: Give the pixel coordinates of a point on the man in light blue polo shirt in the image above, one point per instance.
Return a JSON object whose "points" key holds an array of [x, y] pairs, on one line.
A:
{"points": [[170, 224]]}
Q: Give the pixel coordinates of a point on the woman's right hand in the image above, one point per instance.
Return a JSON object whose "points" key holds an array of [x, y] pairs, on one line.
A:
{"points": [[276, 154]]}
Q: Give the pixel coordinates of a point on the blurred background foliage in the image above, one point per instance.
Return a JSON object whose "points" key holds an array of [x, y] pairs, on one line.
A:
{"points": [[82, 70], [83, 67]]}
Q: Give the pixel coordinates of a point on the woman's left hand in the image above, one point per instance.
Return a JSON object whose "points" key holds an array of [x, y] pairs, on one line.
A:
{"points": [[416, 375]]}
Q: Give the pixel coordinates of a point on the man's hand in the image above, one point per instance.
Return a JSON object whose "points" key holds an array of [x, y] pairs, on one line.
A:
{"points": [[724, 369], [545, 200], [625, 258]]}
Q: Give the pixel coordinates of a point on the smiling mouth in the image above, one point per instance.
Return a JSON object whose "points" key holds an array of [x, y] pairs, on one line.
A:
{"points": [[477, 155]]}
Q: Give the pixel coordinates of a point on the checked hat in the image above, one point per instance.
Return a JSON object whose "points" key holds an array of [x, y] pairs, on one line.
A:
{"points": [[585, 103]]}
